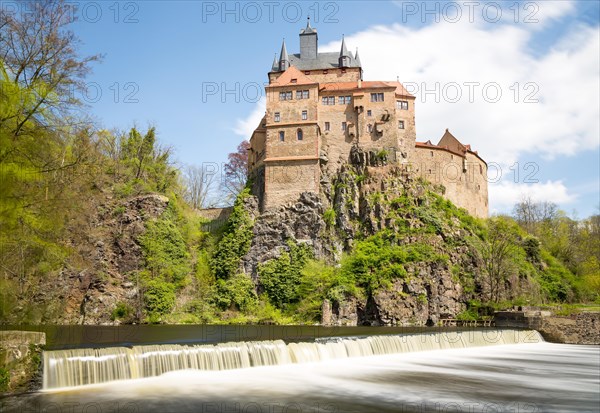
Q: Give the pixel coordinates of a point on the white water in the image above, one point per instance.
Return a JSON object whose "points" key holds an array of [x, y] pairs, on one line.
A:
{"points": [[80, 367]]}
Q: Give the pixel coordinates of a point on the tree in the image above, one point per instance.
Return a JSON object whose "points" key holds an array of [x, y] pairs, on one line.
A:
{"points": [[199, 183], [497, 254], [40, 55], [235, 171]]}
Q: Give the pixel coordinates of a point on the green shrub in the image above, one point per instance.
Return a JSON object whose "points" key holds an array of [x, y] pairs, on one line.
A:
{"points": [[236, 292], [159, 297], [4, 379], [281, 277], [165, 250], [121, 311], [236, 240], [329, 217]]}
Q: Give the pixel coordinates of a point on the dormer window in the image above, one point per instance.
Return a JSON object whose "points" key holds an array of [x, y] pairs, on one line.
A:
{"points": [[325, 72], [307, 72], [294, 80]]}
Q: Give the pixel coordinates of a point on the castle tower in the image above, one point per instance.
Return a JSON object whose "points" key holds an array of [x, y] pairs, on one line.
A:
{"points": [[309, 42]]}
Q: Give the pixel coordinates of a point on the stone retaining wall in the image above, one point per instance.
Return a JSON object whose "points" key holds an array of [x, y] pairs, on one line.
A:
{"points": [[20, 360]]}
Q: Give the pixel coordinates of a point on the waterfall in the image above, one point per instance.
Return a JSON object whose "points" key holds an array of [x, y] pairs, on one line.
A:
{"points": [[79, 367]]}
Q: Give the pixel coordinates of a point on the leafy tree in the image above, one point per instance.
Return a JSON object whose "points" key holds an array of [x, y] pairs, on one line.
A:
{"points": [[281, 277], [235, 241], [236, 170]]}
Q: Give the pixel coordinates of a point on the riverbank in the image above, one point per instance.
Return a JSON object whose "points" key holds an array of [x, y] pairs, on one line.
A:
{"points": [[581, 328]]}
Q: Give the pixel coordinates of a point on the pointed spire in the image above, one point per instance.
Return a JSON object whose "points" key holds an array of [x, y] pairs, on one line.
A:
{"points": [[344, 51], [357, 58], [308, 29], [345, 56], [284, 60], [275, 65]]}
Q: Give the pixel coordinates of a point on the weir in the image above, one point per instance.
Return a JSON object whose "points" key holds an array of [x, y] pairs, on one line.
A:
{"points": [[80, 367]]}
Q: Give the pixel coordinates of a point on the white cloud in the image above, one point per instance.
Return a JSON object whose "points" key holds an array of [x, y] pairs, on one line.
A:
{"points": [[438, 57], [504, 195], [244, 127]]}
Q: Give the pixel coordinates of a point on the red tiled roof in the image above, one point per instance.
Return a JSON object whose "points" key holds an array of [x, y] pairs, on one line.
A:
{"points": [[292, 74], [369, 84]]}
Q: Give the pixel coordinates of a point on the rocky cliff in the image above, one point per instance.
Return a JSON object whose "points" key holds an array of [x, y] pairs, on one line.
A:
{"points": [[99, 273], [362, 199]]}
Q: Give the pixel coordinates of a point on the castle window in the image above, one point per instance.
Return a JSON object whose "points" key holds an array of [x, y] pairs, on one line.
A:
{"points": [[481, 169], [294, 80], [376, 97], [343, 100], [299, 134], [400, 124], [431, 152], [285, 95], [325, 72], [370, 128], [327, 126], [451, 156], [328, 100], [304, 115], [302, 94], [478, 187], [369, 113], [281, 136], [344, 124], [277, 117], [402, 104]]}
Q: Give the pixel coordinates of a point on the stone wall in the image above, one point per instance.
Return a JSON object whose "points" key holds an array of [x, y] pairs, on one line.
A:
{"points": [[464, 178], [351, 74], [20, 357], [583, 328]]}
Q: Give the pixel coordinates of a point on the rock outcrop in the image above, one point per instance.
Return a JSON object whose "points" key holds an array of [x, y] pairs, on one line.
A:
{"points": [[360, 198]]}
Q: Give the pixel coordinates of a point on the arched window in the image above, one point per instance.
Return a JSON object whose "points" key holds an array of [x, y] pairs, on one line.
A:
{"points": [[299, 134]]}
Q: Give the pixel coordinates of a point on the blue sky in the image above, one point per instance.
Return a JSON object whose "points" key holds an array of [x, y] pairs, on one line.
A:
{"points": [[164, 60]]}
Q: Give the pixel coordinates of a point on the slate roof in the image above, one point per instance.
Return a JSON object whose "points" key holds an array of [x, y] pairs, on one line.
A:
{"points": [[323, 61]]}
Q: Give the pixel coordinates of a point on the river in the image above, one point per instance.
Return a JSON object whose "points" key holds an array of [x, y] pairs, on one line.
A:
{"points": [[459, 376]]}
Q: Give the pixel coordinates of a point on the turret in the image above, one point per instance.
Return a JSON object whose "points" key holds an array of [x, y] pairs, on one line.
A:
{"points": [[284, 60], [309, 42], [345, 55]]}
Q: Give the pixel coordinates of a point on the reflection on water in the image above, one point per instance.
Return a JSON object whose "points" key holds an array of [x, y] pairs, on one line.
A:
{"points": [[540, 377]]}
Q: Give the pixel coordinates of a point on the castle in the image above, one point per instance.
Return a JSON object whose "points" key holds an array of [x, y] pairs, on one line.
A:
{"points": [[319, 108]]}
